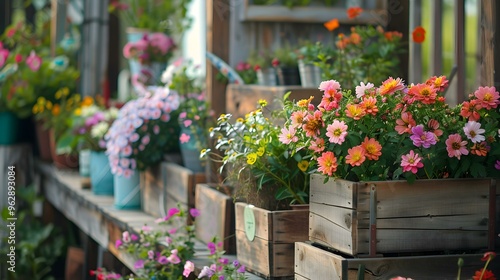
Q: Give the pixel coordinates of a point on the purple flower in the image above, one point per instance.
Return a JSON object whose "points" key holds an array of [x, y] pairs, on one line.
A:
{"points": [[236, 263], [134, 237], [151, 254], [206, 272], [194, 212], [139, 264], [497, 164], [163, 260], [223, 261], [118, 243], [211, 247], [171, 212], [241, 269], [422, 138]]}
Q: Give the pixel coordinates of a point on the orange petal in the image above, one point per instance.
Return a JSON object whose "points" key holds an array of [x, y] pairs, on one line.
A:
{"points": [[332, 24]]}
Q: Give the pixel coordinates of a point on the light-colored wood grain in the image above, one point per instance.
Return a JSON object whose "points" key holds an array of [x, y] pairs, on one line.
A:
{"points": [[312, 262], [216, 218], [429, 215], [487, 43], [152, 191], [180, 182]]}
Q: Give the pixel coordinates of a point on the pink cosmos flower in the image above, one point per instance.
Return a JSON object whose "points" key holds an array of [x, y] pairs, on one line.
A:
{"points": [[118, 243], [391, 85], [184, 138], [298, 118], [187, 123], [337, 131], [163, 260], [422, 138], [455, 146], [473, 131], [34, 61], [405, 124], [327, 163], [171, 212], [488, 97], [411, 162], [173, 258], [188, 268], [362, 88], [317, 145], [287, 135]]}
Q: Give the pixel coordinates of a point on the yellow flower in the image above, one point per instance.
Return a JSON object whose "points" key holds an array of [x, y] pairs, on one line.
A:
{"points": [[87, 101], [210, 129], [251, 158], [260, 151], [78, 111], [56, 110], [48, 105], [58, 94], [303, 165], [65, 91], [35, 109], [262, 102], [240, 120]]}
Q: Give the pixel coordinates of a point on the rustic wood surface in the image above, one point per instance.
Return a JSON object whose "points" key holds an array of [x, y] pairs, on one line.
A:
{"points": [[97, 217], [152, 199], [312, 262], [216, 218], [430, 215]]}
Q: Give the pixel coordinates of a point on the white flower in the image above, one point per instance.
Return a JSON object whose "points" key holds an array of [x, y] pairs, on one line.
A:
{"points": [[473, 131], [99, 130], [111, 114], [360, 90], [88, 111]]}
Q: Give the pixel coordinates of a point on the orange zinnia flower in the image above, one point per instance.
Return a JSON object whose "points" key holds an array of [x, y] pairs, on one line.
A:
{"points": [[418, 34], [332, 24], [373, 149], [353, 12], [355, 111], [356, 156]]}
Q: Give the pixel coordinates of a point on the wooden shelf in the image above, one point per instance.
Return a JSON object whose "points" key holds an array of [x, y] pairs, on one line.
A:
{"points": [[96, 216], [310, 14]]}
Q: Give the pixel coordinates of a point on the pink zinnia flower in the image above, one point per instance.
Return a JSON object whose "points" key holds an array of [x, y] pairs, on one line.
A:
{"points": [[34, 61], [362, 88], [173, 258], [337, 131], [287, 135], [298, 118], [163, 260], [184, 138], [391, 85], [327, 163], [487, 97], [161, 41], [187, 123], [317, 145], [455, 146], [405, 124], [331, 94], [473, 131], [411, 162], [422, 138]]}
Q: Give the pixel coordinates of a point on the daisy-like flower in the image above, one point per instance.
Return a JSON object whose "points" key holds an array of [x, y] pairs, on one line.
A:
{"points": [[433, 126], [470, 110], [313, 123], [331, 95], [356, 156], [34, 61], [480, 149], [287, 135], [440, 83], [391, 85], [411, 162], [337, 131], [369, 105], [405, 124], [455, 146], [317, 145], [297, 117], [373, 149], [422, 138], [362, 88], [473, 131], [327, 163], [424, 93], [487, 97], [355, 111]]}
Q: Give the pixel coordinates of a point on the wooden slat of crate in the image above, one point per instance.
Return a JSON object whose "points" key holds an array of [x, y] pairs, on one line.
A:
{"points": [[271, 252], [152, 191], [429, 215], [217, 216], [316, 263], [242, 99]]}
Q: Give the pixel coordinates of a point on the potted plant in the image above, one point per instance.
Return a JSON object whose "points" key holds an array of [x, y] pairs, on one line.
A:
{"points": [[260, 61], [309, 55], [267, 179], [286, 64], [146, 128], [87, 126], [194, 112], [383, 149]]}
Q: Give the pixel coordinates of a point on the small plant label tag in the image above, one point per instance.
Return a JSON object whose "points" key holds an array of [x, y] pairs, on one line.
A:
{"points": [[249, 220]]}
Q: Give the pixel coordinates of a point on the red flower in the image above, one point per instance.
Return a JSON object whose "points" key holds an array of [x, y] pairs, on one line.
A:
{"points": [[488, 275], [418, 34], [353, 12], [488, 256], [18, 58]]}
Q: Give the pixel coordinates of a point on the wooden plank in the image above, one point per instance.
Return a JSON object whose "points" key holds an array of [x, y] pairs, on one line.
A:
{"points": [[263, 221], [180, 182], [290, 226], [428, 215], [216, 218], [487, 43], [316, 263], [310, 14], [152, 201], [242, 99]]}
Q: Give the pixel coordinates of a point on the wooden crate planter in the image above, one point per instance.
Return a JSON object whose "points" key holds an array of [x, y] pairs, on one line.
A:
{"points": [[270, 252], [217, 215], [152, 200], [316, 263], [180, 184], [394, 216]]}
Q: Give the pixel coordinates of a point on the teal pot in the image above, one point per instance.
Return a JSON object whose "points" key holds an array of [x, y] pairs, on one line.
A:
{"points": [[101, 178], [127, 191], [190, 150], [9, 128], [84, 163]]}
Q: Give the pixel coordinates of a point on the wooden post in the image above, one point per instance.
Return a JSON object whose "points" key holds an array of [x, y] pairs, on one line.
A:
{"points": [[415, 64], [487, 43], [57, 24], [437, 38], [217, 43], [398, 14], [460, 50]]}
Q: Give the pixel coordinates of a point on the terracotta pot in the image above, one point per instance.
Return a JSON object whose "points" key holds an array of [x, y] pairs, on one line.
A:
{"points": [[63, 161], [43, 142]]}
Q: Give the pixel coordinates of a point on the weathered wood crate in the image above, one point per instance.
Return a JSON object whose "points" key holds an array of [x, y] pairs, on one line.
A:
{"points": [[167, 184], [394, 216], [217, 215], [180, 185], [312, 262], [265, 239]]}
